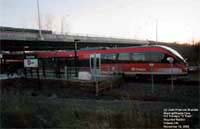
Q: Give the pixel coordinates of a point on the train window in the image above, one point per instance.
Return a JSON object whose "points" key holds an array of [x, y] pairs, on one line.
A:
{"points": [[49, 63], [154, 56], [108, 58], [124, 56], [138, 57]]}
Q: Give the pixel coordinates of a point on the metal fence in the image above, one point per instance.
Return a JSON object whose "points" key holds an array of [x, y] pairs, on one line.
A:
{"points": [[72, 73]]}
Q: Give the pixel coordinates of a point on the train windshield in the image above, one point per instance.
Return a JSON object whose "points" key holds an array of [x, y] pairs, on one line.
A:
{"points": [[174, 52]]}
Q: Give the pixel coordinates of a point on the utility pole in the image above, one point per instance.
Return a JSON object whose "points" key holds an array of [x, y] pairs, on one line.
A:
{"points": [[156, 30], [63, 20], [39, 22], [75, 56], [62, 25]]}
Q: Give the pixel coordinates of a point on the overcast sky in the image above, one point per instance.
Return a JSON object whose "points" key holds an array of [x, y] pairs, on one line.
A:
{"points": [[177, 20]]}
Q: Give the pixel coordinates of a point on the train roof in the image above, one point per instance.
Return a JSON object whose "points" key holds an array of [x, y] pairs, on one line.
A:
{"points": [[122, 48], [107, 50], [143, 46]]}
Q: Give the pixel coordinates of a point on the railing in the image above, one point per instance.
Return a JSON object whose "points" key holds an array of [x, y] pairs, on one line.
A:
{"points": [[73, 73], [24, 35]]}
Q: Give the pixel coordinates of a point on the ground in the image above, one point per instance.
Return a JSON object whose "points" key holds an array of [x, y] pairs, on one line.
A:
{"points": [[57, 105]]}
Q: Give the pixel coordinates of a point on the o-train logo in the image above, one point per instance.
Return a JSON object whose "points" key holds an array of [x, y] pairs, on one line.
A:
{"points": [[29, 63]]}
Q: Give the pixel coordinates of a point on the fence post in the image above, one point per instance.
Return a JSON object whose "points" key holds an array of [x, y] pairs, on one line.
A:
{"points": [[66, 75], [152, 78], [172, 81], [43, 68], [38, 78], [97, 87], [31, 72]]}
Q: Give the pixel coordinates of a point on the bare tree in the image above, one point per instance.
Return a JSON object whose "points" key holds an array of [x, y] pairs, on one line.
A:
{"points": [[48, 22], [64, 24], [55, 23]]}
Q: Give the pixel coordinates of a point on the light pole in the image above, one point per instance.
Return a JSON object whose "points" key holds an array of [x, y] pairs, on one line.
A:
{"points": [[156, 30], [76, 58], [171, 61], [63, 24], [152, 78], [24, 54], [39, 22], [1, 61]]}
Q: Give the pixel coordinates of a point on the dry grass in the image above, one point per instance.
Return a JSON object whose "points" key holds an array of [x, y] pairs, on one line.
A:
{"points": [[130, 106]]}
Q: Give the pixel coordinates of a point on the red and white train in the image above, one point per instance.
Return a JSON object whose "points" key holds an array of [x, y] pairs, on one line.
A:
{"points": [[140, 60]]}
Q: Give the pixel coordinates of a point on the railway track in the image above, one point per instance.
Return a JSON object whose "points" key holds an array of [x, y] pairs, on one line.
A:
{"points": [[177, 81]]}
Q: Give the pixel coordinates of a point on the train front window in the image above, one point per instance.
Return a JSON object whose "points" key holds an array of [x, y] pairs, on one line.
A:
{"points": [[108, 58], [154, 56], [173, 52]]}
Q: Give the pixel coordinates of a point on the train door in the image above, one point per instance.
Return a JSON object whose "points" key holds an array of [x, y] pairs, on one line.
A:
{"points": [[95, 64], [124, 62]]}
